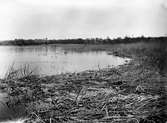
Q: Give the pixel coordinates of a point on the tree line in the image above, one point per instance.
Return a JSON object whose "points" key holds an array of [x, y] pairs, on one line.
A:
{"points": [[23, 42]]}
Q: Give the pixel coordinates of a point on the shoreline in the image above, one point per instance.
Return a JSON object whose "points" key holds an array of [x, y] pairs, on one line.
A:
{"points": [[132, 92]]}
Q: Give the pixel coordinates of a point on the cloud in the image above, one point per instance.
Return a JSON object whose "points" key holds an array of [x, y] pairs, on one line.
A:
{"points": [[164, 4], [67, 3], [81, 18]]}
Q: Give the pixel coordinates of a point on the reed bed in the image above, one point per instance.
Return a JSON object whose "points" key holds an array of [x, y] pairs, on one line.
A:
{"points": [[131, 93]]}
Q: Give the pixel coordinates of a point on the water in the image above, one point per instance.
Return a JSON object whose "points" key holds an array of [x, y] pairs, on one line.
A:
{"points": [[51, 60], [56, 59]]}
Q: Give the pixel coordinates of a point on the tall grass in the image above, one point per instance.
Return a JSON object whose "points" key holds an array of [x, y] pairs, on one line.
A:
{"points": [[21, 72], [10, 85]]}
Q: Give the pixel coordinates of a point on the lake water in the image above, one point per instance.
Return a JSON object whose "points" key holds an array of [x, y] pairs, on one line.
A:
{"points": [[56, 59], [51, 60]]}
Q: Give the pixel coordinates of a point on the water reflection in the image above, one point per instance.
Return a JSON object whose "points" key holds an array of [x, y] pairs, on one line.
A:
{"points": [[55, 59]]}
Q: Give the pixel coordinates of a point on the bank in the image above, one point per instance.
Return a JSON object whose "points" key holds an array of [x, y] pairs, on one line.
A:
{"points": [[133, 92]]}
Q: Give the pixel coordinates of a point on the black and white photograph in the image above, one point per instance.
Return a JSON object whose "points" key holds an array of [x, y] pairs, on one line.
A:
{"points": [[83, 61]]}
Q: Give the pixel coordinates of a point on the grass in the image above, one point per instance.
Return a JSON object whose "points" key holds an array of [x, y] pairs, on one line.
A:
{"points": [[132, 93], [23, 71]]}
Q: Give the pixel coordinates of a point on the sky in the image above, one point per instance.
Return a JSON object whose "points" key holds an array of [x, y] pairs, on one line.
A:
{"points": [[55, 19]]}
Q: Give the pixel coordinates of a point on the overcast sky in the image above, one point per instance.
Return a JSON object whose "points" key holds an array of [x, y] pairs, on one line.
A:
{"points": [[82, 18]]}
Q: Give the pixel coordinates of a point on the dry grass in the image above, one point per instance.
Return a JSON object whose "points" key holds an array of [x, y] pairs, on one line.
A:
{"points": [[132, 93]]}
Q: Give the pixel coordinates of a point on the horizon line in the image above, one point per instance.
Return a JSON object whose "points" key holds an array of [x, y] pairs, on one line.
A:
{"points": [[107, 37]]}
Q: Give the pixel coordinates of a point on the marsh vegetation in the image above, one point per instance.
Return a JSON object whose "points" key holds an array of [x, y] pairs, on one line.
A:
{"points": [[131, 93]]}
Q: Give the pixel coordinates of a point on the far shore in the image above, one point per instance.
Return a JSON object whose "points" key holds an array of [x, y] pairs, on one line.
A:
{"points": [[25, 42]]}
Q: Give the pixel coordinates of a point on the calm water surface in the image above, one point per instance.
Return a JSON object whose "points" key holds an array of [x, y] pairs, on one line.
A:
{"points": [[51, 60], [55, 59]]}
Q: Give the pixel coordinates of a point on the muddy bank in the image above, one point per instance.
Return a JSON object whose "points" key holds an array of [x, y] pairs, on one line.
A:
{"points": [[134, 92], [4, 111], [8, 112]]}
